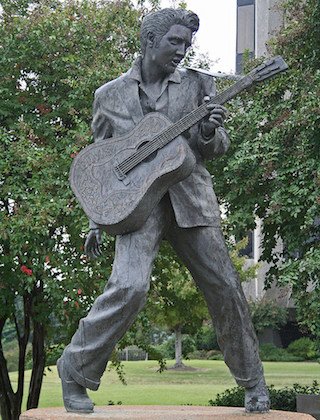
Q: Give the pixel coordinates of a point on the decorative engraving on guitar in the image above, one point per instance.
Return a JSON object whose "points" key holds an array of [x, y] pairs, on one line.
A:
{"points": [[118, 181], [122, 202]]}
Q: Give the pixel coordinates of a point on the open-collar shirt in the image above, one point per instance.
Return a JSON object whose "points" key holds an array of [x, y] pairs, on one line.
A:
{"points": [[148, 102]]}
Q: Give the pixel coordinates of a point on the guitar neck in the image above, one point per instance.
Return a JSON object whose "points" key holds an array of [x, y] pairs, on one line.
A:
{"points": [[264, 71], [189, 120], [199, 113]]}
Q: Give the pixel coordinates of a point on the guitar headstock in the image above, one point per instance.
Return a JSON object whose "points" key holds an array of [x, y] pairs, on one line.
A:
{"points": [[268, 69]]}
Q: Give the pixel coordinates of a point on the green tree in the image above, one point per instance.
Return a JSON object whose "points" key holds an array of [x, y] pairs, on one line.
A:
{"points": [[273, 168], [54, 55]]}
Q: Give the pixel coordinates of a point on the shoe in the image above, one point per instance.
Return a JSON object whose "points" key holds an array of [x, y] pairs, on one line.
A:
{"points": [[257, 398], [75, 397]]}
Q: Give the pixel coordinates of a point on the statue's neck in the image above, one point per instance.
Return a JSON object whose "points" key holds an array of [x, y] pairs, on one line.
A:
{"points": [[151, 73]]}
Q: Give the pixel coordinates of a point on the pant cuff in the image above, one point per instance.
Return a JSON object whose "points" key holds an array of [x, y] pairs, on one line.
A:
{"points": [[80, 379], [247, 383]]}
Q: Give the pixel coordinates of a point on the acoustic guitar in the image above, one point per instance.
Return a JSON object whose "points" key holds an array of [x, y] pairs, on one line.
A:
{"points": [[120, 180]]}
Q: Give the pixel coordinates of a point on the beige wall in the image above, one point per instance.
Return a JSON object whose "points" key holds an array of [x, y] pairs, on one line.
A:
{"points": [[245, 39], [269, 18]]}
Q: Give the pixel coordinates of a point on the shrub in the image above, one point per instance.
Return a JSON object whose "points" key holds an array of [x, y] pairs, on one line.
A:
{"points": [[267, 315], [270, 353], [232, 397], [304, 348], [206, 355], [198, 355], [167, 348], [206, 338], [214, 355], [281, 399]]}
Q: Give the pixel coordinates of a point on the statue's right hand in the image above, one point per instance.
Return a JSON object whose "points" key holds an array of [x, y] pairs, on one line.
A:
{"points": [[92, 246]]}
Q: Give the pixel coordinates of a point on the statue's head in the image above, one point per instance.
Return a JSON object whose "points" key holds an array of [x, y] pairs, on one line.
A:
{"points": [[157, 24]]}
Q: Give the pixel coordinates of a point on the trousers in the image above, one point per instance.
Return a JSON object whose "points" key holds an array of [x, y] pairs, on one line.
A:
{"points": [[203, 250]]}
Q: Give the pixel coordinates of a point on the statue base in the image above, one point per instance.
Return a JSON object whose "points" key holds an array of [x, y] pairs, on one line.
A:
{"points": [[152, 412]]}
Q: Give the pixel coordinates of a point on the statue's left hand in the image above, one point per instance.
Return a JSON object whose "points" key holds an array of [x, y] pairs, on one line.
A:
{"points": [[92, 246], [215, 119]]}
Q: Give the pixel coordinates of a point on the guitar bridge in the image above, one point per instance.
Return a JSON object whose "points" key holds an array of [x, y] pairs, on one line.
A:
{"points": [[121, 175]]}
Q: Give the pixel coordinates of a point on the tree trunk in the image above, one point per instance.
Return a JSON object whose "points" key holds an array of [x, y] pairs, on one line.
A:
{"points": [[38, 365], [7, 396], [4, 411], [38, 351], [178, 347], [10, 401], [23, 334], [6, 391]]}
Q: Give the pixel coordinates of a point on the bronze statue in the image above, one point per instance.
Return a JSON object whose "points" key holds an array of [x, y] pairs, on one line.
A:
{"points": [[187, 216]]}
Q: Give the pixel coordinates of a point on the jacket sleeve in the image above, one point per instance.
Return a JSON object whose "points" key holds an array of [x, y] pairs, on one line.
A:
{"points": [[218, 144], [101, 129], [101, 126]]}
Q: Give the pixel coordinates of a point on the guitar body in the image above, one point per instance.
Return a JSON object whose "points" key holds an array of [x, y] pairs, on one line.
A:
{"points": [[123, 205]]}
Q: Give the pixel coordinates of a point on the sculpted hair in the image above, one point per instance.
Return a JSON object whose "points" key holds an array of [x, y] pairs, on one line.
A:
{"points": [[158, 23]]}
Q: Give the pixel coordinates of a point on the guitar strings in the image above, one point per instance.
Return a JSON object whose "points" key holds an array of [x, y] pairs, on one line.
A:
{"points": [[159, 141], [178, 128], [162, 139]]}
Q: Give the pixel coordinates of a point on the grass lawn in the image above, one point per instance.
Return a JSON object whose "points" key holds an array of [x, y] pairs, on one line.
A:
{"points": [[145, 386]]}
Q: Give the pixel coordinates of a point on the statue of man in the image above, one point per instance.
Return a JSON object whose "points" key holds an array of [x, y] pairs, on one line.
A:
{"points": [[187, 216]]}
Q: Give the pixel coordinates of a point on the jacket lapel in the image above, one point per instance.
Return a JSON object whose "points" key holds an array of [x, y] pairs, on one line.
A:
{"points": [[175, 94], [129, 93]]}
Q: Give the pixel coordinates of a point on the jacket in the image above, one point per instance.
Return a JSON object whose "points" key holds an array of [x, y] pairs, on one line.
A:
{"points": [[116, 111]]}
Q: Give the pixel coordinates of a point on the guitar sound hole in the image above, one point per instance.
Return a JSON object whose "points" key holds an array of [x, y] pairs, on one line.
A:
{"points": [[150, 157]]}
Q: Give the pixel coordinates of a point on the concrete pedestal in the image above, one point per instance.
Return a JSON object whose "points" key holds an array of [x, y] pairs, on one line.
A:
{"points": [[152, 412], [309, 403]]}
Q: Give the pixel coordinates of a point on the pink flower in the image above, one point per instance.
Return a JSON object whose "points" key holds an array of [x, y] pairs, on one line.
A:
{"points": [[26, 270], [74, 154], [79, 292]]}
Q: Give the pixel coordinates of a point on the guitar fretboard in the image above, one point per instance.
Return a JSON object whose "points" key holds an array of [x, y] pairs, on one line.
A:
{"points": [[174, 130]]}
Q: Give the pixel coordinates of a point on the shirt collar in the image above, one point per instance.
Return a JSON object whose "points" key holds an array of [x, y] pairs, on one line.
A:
{"points": [[135, 73]]}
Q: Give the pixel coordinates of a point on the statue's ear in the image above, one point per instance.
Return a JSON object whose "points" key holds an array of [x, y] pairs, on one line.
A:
{"points": [[150, 39]]}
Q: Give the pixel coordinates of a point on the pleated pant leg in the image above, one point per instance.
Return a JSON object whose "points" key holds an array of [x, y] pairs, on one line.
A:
{"points": [[204, 252], [114, 311]]}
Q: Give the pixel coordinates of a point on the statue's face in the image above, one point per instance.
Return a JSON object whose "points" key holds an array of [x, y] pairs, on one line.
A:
{"points": [[172, 48]]}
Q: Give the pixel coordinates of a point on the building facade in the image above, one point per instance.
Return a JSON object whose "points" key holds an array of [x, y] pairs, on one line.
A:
{"points": [[257, 22]]}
